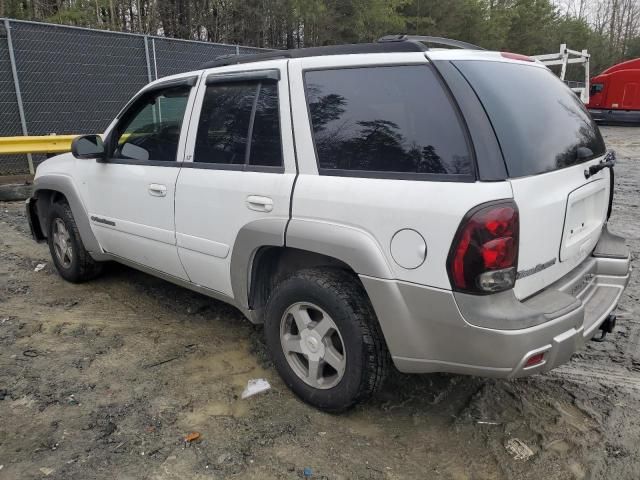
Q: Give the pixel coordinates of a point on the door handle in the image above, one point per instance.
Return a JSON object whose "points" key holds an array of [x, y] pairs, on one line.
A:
{"points": [[259, 204], [157, 190]]}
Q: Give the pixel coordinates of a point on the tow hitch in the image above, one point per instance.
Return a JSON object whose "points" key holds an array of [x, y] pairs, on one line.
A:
{"points": [[607, 327]]}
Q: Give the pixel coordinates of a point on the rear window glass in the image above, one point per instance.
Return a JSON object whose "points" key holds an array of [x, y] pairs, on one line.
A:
{"points": [[540, 123], [385, 120]]}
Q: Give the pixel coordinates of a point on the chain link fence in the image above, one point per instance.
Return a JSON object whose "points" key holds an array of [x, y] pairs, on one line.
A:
{"points": [[70, 80]]}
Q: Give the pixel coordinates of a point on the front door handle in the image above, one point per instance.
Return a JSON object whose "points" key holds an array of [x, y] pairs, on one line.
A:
{"points": [[157, 190], [259, 204]]}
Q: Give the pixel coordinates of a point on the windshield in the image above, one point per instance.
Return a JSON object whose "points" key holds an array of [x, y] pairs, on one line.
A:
{"points": [[540, 123]]}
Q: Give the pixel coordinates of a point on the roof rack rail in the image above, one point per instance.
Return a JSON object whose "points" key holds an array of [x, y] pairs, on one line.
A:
{"points": [[388, 44], [356, 48], [447, 42]]}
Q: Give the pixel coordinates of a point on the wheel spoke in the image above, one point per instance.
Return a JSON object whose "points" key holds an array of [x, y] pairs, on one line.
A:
{"points": [[292, 344], [334, 358], [60, 248], [323, 327], [301, 317], [314, 372], [57, 240]]}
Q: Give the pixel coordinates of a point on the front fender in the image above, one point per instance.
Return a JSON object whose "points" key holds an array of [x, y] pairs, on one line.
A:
{"points": [[56, 182]]}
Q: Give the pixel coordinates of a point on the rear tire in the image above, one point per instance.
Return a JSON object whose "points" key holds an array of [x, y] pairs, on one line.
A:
{"points": [[71, 259], [325, 339]]}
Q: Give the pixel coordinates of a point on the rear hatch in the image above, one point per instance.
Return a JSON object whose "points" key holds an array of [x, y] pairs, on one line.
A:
{"points": [[548, 140]]}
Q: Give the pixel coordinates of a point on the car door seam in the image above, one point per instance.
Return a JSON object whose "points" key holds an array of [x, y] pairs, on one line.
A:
{"points": [[295, 152], [195, 89]]}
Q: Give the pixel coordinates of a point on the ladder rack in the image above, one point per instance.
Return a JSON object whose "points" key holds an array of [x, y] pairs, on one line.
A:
{"points": [[565, 57]]}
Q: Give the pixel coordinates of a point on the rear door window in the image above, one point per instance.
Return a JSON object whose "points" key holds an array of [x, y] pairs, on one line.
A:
{"points": [[540, 123], [240, 125], [394, 121]]}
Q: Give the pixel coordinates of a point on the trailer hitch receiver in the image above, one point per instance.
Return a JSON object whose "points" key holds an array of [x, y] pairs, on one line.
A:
{"points": [[607, 327]]}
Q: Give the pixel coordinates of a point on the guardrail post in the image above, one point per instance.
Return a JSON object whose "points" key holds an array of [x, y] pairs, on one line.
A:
{"points": [[16, 85]]}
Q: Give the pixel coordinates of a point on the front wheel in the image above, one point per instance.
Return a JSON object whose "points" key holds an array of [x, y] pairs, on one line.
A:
{"points": [[325, 339], [71, 259]]}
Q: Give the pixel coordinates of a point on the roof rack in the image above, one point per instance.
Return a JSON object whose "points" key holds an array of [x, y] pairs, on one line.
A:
{"points": [[388, 44], [445, 42]]}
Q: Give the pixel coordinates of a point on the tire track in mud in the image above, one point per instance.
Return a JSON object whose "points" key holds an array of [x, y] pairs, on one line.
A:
{"points": [[610, 377]]}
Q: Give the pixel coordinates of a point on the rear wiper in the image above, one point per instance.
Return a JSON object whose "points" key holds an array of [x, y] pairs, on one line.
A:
{"points": [[608, 161]]}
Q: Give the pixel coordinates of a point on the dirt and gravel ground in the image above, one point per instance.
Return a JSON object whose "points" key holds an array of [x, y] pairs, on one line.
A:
{"points": [[103, 380]]}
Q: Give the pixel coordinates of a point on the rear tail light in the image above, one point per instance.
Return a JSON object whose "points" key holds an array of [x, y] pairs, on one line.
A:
{"points": [[484, 255]]}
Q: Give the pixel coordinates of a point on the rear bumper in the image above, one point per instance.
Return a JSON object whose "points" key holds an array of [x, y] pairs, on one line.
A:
{"points": [[428, 330], [613, 117]]}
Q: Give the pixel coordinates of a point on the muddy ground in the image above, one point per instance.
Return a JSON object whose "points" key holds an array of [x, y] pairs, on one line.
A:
{"points": [[103, 380]]}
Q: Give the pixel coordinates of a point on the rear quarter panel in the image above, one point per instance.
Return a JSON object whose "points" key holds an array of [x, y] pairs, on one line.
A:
{"points": [[382, 207]]}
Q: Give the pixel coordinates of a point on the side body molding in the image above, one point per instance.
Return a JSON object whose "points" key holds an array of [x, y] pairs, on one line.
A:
{"points": [[64, 185], [353, 246]]}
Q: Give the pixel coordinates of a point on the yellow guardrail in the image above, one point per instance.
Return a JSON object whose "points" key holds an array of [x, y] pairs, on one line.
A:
{"points": [[33, 144]]}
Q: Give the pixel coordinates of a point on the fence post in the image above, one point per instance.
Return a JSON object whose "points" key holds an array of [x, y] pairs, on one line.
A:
{"points": [[238, 50], [16, 85], [155, 63], [146, 52]]}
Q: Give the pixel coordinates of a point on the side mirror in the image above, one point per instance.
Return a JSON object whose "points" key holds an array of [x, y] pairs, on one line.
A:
{"points": [[88, 146]]}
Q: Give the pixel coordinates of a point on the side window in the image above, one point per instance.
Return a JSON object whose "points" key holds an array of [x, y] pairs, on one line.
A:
{"points": [[240, 124], [596, 88], [150, 130], [224, 123], [266, 147], [385, 119]]}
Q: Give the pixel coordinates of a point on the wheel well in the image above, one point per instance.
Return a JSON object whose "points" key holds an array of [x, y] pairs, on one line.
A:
{"points": [[273, 264], [46, 198]]}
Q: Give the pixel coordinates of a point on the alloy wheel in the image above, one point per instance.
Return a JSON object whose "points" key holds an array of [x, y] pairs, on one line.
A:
{"points": [[312, 345], [62, 243]]}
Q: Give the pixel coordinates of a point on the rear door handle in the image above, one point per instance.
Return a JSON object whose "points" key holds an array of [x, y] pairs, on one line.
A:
{"points": [[157, 190], [259, 204]]}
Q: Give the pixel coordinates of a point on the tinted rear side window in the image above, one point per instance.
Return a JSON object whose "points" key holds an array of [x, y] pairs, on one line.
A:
{"points": [[224, 123], [385, 120], [234, 113], [540, 123], [266, 147]]}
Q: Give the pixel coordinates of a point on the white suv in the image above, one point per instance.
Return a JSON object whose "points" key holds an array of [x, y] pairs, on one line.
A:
{"points": [[442, 209]]}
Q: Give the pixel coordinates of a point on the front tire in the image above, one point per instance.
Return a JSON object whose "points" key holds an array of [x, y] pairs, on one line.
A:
{"points": [[71, 259], [325, 339]]}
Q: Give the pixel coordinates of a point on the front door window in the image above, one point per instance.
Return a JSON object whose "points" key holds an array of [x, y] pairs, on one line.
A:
{"points": [[150, 129]]}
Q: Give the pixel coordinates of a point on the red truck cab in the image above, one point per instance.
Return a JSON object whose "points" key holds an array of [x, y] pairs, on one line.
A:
{"points": [[615, 94]]}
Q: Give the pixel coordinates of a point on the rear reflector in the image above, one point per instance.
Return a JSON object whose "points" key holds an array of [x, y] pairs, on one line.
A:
{"points": [[535, 360], [516, 56]]}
